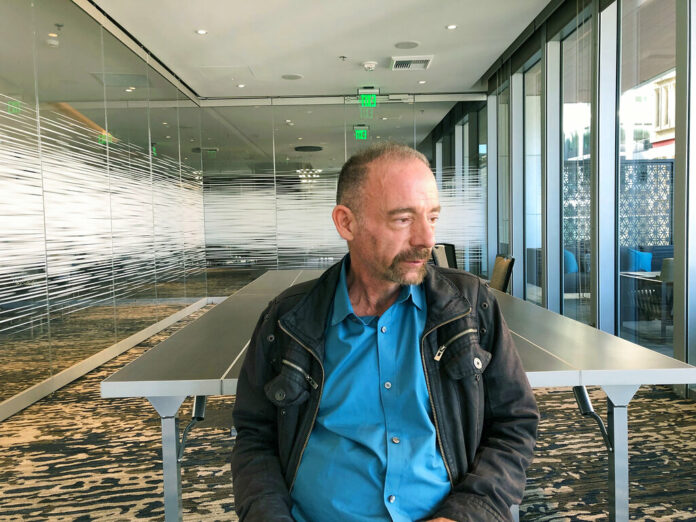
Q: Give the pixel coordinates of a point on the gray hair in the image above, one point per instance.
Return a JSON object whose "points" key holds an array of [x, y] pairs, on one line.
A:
{"points": [[354, 171]]}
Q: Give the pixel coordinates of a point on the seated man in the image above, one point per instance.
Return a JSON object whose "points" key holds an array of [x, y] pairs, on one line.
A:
{"points": [[388, 389]]}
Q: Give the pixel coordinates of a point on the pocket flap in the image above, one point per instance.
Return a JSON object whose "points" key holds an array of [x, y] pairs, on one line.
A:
{"points": [[465, 359], [288, 388]]}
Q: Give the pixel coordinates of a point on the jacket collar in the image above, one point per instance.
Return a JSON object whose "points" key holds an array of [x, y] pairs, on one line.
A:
{"points": [[308, 319]]}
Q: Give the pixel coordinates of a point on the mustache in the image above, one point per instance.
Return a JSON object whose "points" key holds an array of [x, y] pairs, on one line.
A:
{"points": [[413, 254]]}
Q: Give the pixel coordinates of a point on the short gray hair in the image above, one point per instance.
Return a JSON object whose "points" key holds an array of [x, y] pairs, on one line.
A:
{"points": [[354, 171]]}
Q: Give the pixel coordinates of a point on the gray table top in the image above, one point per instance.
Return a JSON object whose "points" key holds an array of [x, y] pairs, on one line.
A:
{"points": [[555, 350], [599, 357], [218, 337]]}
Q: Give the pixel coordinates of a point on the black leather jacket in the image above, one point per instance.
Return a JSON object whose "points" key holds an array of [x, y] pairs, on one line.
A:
{"points": [[483, 409]]}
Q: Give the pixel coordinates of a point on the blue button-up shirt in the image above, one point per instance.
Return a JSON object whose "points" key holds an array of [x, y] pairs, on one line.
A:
{"points": [[372, 454]]}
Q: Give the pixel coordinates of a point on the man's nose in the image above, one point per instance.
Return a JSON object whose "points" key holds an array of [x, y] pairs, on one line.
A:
{"points": [[423, 234]]}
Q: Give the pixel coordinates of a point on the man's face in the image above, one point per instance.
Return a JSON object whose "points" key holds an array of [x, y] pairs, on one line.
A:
{"points": [[395, 229]]}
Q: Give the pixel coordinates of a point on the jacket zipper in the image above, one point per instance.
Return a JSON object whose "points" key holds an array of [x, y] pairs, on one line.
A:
{"points": [[316, 410], [430, 395], [441, 351], [307, 377]]}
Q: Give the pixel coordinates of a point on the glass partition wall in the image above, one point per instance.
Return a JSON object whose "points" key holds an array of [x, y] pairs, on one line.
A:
{"points": [[576, 86], [102, 222], [646, 173]]}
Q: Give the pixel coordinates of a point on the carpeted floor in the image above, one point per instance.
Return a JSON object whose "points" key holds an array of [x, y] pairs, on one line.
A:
{"points": [[75, 456]]}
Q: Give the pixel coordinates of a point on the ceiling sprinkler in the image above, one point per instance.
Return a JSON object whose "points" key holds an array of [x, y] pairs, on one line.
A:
{"points": [[369, 66]]}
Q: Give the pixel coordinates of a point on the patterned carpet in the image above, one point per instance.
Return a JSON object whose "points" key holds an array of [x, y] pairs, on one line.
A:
{"points": [[75, 456]]}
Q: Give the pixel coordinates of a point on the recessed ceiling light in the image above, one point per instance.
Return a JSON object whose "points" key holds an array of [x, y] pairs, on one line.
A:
{"points": [[201, 32], [192, 140], [241, 86], [292, 77], [129, 89], [384, 118], [291, 124], [378, 137], [410, 44], [451, 26], [53, 35], [299, 138], [421, 82], [167, 137], [288, 121], [164, 123]]}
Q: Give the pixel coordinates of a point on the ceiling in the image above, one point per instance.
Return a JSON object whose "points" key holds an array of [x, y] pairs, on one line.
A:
{"points": [[256, 43]]}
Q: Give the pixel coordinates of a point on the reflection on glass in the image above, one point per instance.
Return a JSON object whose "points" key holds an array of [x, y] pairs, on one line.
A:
{"points": [[532, 184], [575, 113], [646, 173], [504, 172]]}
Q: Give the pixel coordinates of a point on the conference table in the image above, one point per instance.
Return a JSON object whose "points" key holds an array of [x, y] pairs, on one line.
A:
{"points": [[205, 358]]}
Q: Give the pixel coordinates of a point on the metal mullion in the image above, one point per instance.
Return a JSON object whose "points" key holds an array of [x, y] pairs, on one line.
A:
{"points": [[604, 166], [684, 192], [551, 175]]}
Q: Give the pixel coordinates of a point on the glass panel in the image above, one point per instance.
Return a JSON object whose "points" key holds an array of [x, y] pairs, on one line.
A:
{"points": [[504, 172], [168, 210], [646, 173], [126, 87], [76, 183], [532, 184], [575, 120], [236, 155], [482, 166], [25, 351], [193, 226], [306, 180]]}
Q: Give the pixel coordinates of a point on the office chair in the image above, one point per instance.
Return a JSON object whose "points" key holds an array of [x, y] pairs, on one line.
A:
{"points": [[502, 270], [443, 254]]}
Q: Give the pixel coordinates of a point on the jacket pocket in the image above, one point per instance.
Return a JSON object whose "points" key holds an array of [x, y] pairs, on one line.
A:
{"points": [[465, 358], [290, 387]]}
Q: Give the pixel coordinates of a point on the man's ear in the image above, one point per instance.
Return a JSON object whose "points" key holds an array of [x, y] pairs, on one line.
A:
{"points": [[345, 221]]}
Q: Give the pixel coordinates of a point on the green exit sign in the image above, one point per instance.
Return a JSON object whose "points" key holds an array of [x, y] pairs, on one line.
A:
{"points": [[14, 107], [368, 100], [360, 134]]}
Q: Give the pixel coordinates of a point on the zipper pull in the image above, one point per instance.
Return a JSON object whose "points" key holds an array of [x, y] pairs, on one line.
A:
{"points": [[440, 352], [311, 381]]}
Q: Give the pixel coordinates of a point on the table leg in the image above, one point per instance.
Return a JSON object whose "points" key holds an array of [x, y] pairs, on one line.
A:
{"points": [[618, 398], [168, 407]]}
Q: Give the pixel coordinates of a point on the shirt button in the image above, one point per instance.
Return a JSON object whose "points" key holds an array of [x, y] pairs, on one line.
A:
{"points": [[391, 499], [395, 440], [477, 363], [384, 329], [387, 385]]}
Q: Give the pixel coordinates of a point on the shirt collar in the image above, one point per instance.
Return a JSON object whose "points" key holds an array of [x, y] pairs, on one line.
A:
{"points": [[342, 307]]}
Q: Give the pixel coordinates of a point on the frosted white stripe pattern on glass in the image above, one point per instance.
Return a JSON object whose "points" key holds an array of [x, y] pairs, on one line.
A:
{"points": [[109, 223], [261, 220]]}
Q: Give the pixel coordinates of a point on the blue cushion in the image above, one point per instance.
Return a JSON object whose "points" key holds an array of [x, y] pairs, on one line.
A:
{"points": [[639, 261], [570, 264]]}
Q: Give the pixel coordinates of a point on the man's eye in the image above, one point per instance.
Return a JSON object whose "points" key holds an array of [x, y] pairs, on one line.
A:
{"points": [[434, 219]]}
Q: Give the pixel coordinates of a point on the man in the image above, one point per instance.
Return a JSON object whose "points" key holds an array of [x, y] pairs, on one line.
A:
{"points": [[388, 389]]}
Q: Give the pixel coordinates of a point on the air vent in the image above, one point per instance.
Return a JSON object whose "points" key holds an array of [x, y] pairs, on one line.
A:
{"points": [[410, 63], [308, 148]]}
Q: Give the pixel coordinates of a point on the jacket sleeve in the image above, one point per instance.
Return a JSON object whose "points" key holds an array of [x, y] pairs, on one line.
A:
{"points": [[496, 478], [260, 491]]}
